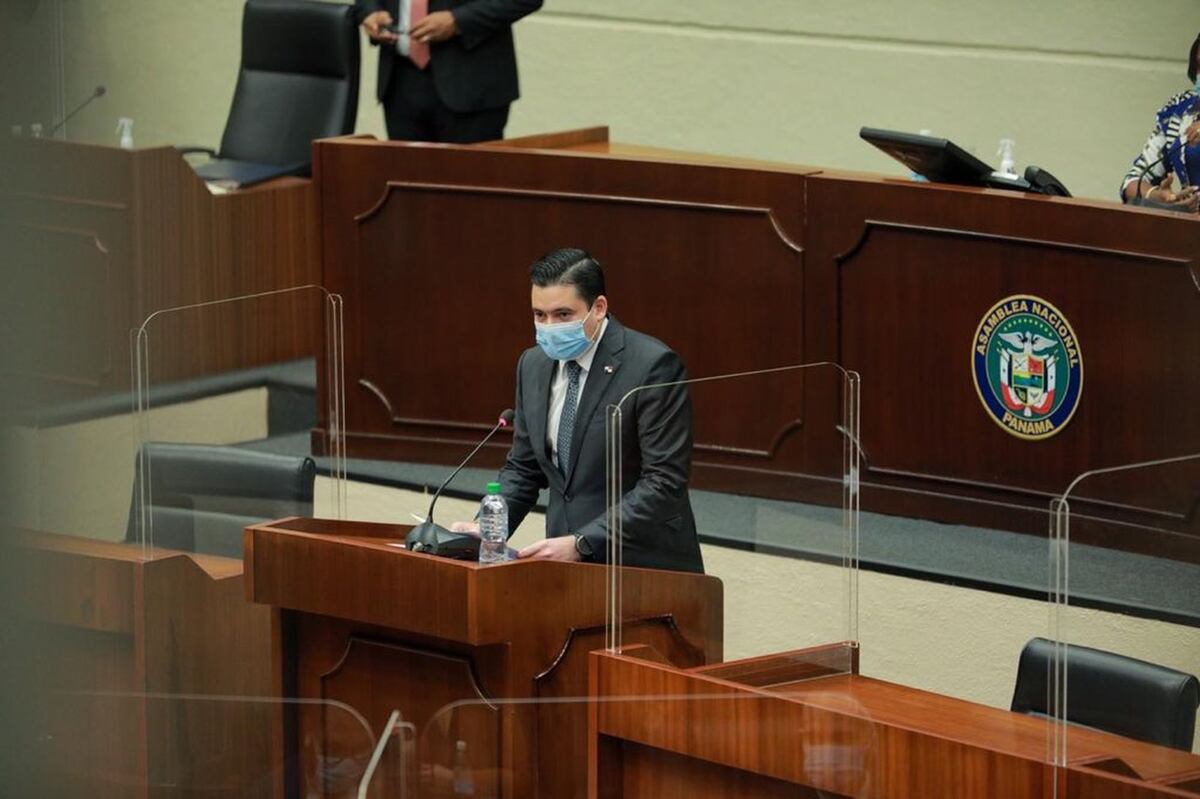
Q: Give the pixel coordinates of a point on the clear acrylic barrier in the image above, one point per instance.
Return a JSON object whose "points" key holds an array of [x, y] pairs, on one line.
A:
{"points": [[845, 591], [748, 520], [95, 607], [232, 422], [460, 750], [775, 497], [1129, 623], [212, 745], [951, 590]]}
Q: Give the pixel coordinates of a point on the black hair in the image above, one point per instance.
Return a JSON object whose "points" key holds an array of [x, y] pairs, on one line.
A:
{"points": [[570, 266], [1192, 56]]}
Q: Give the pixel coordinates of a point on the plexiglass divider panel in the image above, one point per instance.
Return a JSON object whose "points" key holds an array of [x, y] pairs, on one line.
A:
{"points": [[209, 744], [1126, 656], [882, 606], [952, 588], [232, 422], [461, 750], [682, 497]]}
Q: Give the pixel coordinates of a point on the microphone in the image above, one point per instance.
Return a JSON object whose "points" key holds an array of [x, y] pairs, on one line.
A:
{"points": [[99, 91], [434, 539]]}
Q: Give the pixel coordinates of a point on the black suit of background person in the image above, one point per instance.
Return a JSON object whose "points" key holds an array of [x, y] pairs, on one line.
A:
{"points": [[464, 94], [656, 431]]}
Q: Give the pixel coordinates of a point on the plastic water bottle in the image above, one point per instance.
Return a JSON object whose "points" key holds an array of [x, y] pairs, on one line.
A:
{"points": [[493, 526], [464, 783]]}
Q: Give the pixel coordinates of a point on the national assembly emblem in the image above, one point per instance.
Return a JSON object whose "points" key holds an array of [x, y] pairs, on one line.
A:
{"points": [[1028, 367]]}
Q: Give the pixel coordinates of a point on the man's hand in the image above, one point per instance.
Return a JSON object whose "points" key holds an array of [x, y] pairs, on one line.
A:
{"points": [[465, 527], [559, 548], [373, 25], [436, 27], [1186, 199]]}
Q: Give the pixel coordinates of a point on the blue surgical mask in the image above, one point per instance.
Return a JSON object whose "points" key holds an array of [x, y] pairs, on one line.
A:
{"points": [[563, 341]]}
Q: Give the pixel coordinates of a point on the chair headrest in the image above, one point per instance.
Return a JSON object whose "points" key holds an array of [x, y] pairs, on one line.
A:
{"points": [[1112, 692], [300, 37], [216, 471]]}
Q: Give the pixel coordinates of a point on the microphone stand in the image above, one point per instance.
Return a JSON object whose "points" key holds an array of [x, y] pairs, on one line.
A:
{"points": [[431, 537], [99, 91]]}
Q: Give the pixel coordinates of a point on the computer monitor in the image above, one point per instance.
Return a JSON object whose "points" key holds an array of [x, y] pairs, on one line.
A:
{"points": [[939, 160]]}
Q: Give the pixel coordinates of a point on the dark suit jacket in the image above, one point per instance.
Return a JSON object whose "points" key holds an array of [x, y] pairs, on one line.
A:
{"points": [[656, 433], [475, 70]]}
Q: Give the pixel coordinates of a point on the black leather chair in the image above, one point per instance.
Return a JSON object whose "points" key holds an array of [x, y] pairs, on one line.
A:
{"points": [[200, 496], [298, 81], [1112, 692]]}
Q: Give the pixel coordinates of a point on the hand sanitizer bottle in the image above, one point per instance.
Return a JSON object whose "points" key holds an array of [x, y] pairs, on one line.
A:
{"points": [[1008, 159], [125, 130]]}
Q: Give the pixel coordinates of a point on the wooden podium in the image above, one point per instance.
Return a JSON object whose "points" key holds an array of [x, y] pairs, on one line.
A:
{"points": [[129, 673], [361, 623]]}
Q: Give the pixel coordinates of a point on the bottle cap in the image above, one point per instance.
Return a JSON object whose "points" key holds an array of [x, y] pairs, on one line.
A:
{"points": [[493, 488]]}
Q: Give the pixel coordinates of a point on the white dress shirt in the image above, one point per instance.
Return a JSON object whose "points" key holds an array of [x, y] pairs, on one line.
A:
{"points": [[558, 391]]}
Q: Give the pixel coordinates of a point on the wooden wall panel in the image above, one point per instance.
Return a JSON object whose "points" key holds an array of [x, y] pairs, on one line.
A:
{"points": [[915, 269], [407, 341], [445, 306], [168, 242], [62, 341], [932, 287], [745, 266]]}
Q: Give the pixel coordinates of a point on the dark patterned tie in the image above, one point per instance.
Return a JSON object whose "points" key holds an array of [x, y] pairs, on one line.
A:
{"points": [[566, 422]]}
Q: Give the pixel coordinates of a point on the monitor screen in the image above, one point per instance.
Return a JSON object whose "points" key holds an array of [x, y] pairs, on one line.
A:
{"points": [[939, 160]]}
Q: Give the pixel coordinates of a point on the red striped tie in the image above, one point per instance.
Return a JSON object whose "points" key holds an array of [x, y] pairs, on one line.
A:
{"points": [[418, 52]]}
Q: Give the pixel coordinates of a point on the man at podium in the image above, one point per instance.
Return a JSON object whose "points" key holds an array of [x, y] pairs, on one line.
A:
{"points": [[584, 361]]}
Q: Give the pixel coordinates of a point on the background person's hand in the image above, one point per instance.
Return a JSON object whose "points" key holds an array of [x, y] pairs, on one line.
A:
{"points": [[373, 24], [465, 527], [436, 27], [560, 548], [1186, 199]]}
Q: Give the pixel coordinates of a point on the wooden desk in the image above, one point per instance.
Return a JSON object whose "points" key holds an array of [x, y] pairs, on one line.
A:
{"points": [[110, 654], [740, 265], [98, 238], [361, 622], [664, 732]]}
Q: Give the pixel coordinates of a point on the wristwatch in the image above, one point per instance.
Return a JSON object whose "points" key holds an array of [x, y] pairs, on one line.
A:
{"points": [[583, 547]]}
